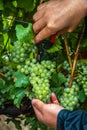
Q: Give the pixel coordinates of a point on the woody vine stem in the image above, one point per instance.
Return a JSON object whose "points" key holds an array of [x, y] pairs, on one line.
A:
{"points": [[76, 57], [73, 66]]}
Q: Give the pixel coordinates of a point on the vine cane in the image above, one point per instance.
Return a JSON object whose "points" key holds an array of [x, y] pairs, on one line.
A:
{"points": [[68, 53], [75, 58]]}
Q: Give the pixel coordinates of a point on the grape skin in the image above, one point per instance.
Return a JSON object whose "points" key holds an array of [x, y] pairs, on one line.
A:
{"points": [[70, 98]]}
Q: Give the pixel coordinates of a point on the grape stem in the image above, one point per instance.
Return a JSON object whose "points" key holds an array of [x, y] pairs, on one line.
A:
{"points": [[75, 58], [1, 74], [68, 53]]}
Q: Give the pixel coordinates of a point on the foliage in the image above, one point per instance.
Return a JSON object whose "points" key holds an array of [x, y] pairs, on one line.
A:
{"points": [[24, 35], [18, 57]]}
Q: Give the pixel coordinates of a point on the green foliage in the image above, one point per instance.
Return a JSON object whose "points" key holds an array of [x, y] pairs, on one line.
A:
{"points": [[58, 79], [1, 5], [25, 34], [16, 34], [28, 5], [2, 83], [82, 97], [19, 95], [21, 80], [56, 47]]}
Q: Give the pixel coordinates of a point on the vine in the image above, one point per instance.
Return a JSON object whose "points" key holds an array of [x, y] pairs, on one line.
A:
{"points": [[23, 77]]}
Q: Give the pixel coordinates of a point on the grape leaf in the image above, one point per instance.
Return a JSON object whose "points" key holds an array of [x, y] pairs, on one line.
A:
{"points": [[1, 5], [19, 96], [21, 80], [82, 96], [25, 34], [28, 5], [58, 79], [2, 83], [7, 89], [84, 43], [56, 47]]}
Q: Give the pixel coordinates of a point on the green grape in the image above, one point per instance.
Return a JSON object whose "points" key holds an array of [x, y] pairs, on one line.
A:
{"points": [[21, 51], [70, 98], [39, 73], [8, 72], [39, 78], [66, 66]]}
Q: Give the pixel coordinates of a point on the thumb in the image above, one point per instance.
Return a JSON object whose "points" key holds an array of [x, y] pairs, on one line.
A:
{"points": [[37, 104], [54, 99]]}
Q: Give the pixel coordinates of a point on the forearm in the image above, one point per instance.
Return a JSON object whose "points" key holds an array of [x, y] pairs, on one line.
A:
{"points": [[75, 120]]}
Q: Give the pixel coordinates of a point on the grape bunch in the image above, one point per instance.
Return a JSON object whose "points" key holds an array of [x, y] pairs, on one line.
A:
{"points": [[82, 76], [69, 99], [21, 51], [66, 66], [40, 76], [26, 67], [8, 72]]}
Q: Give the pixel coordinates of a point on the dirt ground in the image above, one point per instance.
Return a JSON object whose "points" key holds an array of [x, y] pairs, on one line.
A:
{"points": [[10, 126]]}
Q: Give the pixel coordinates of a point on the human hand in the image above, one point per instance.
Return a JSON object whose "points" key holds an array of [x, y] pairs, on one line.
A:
{"points": [[47, 113], [58, 16]]}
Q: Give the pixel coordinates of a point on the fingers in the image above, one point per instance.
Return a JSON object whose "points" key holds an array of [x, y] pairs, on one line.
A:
{"points": [[44, 33], [40, 24], [41, 6], [38, 105], [39, 115], [54, 99], [40, 12], [38, 15]]}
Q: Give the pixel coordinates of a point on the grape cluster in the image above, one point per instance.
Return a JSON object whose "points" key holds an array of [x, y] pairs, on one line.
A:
{"points": [[27, 66], [21, 51], [8, 72], [39, 76], [70, 99], [66, 66], [82, 76], [71, 51]]}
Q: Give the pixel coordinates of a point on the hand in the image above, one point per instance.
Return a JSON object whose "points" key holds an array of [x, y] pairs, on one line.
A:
{"points": [[47, 113], [58, 16]]}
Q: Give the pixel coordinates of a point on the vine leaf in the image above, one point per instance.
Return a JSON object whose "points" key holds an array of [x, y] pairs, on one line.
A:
{"points": [[6, 89], [19, 96], [56, 47], [2, 83], [58, 79], [24, 34], [1, 5], [28, 5], [82, 96], [21, 80], [84, 42]]}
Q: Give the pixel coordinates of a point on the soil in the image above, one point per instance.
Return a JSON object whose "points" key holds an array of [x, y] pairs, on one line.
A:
{"points": [[10, 126]]}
